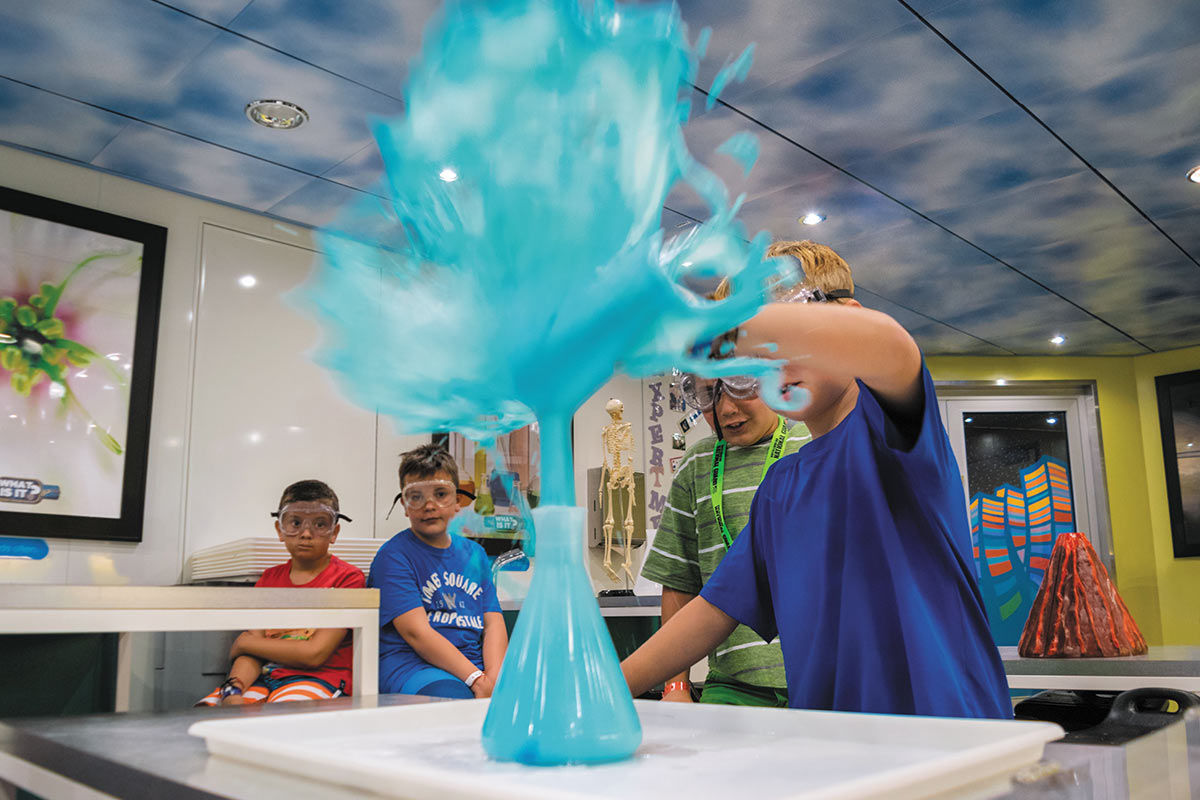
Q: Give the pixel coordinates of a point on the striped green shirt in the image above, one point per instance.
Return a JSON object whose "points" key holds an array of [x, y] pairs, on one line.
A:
{"points": [[688, 545]]}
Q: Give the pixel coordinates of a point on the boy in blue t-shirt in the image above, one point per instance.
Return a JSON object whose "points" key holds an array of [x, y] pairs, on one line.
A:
{"points": [[857, 552], [441, 629]]}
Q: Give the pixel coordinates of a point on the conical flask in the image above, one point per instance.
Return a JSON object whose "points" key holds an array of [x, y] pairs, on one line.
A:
{"points": [[561, 698]]}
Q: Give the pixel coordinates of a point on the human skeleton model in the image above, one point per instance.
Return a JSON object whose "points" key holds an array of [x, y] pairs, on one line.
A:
{"points": [[618, 446]]}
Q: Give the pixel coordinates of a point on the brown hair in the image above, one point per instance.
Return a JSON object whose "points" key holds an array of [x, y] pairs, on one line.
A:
{"points": [[309, 490], [427, 460], [823, 268]]}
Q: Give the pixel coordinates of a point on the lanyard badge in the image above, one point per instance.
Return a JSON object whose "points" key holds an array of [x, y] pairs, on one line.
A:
{"points": [[717, 475]]}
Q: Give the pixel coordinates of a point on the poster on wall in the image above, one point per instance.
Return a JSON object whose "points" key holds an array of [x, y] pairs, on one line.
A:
{"points": [[504, 488], [79, 304]]}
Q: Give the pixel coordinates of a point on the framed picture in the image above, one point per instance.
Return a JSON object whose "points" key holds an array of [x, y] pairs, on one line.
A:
{"points": [[79, 305], [1179, 418]]}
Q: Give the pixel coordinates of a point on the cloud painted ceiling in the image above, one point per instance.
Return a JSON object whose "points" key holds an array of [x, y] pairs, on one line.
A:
{"points": [[995, 171]]}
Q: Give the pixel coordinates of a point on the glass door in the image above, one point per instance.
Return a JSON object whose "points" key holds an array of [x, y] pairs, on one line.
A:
{"points": [[1028, 476]]}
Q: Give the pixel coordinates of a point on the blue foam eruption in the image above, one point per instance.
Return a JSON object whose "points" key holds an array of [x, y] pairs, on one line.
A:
{"points": [[517, 264]]}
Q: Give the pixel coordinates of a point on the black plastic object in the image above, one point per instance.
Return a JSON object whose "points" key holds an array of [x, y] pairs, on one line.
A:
{"points": [[1135, 713], [1072, 710]]}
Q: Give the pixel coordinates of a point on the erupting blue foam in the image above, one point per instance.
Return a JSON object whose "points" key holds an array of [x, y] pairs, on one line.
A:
{"points": [[517, 265]]}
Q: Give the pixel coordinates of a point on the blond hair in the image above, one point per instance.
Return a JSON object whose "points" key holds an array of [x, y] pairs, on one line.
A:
{"points": [[823, 268]]}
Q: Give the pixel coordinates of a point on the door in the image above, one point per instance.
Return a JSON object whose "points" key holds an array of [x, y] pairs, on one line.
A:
{"points": [[1028, 475]]}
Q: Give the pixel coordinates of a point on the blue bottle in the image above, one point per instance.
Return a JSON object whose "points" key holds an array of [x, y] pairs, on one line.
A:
{"points": [[561, 698]]}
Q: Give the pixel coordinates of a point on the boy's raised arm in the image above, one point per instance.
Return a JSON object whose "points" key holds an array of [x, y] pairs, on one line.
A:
{"points": [[690, 634], [844, 342]]}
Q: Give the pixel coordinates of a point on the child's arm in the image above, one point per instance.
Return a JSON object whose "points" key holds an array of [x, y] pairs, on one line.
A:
{"points": [[244, 672], [495, 642], [690, 634], [295, 653], [434, 648], [844, 342]]}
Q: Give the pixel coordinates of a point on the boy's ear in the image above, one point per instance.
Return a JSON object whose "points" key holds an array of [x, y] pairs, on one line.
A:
{"points": [[336, 530], [279, 532]]}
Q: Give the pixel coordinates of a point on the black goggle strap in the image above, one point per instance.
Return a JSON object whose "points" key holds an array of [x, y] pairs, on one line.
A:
{"points": [[717, 387]]}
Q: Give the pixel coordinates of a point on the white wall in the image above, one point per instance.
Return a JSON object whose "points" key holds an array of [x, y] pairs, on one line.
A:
{"points": [[157, 559], [229, 425]]}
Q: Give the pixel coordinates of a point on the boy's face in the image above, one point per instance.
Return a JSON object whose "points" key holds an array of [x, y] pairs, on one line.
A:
{"points": [[307, 528], [743, 421], [428, 518]]}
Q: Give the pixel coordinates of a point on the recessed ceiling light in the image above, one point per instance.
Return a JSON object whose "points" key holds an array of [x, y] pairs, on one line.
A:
{"points": [[1051, 420], [1194, 174], [812, 218], [277, 114], [247, 281], [448, 175], [1058, 338]]}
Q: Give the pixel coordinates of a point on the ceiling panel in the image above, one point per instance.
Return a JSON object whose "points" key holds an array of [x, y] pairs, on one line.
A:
{"points": [[174, 161], [113, 53], [368, 41], [208, 99], [53, 124]]}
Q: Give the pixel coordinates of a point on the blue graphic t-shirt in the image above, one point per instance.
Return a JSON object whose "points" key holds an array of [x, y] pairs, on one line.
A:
{"points": [[453, 585], [858, 555]]}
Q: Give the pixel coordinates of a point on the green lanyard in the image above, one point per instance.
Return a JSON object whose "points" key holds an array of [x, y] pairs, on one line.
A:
{"points": [[717, 478]]}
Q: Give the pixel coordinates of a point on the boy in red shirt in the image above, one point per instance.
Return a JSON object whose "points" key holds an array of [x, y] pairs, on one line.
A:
{"points": [[310, 664]]}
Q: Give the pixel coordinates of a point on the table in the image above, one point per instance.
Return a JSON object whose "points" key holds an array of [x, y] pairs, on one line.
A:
{"points": [[1173, 667], [135, 609], [148, 756]]}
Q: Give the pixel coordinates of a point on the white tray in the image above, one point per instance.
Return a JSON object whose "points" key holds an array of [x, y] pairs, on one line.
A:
{"points": [[433, 750]]}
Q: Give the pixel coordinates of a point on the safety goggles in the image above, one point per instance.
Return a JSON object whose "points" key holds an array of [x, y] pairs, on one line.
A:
{"points": [[811, 294], [702, 393], [418, 494], [319, 519]]}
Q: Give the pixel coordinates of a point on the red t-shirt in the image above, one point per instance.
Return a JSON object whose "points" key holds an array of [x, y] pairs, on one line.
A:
{"points": [[336, 575]]}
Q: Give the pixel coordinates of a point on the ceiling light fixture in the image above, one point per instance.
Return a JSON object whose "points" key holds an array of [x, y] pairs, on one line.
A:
{"points": [[1058, 338], [1001, 382], [812, 218], [276, 114], [247, 281], [1194, 174], [448, 175]]}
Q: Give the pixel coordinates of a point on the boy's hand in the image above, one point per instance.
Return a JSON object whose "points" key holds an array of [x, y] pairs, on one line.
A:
{"points": [[483, 686], [233, 700]]}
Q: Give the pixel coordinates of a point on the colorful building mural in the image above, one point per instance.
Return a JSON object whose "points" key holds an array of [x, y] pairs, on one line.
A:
{"points": [[1012, 533]]}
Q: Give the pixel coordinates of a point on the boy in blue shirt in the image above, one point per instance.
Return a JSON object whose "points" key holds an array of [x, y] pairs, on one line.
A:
{"points": [[441, 629], [857, 552]]}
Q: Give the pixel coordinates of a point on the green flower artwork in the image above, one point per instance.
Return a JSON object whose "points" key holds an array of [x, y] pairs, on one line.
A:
{"points": [[35, 347]]}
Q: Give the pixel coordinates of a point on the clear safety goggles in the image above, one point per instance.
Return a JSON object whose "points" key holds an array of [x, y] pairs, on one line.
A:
{"points": [[702, 393], [441, 493], [811, 294], [319, 519]]}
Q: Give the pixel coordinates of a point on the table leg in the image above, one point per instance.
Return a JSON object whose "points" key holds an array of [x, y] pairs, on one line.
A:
{"points": [[366, 660], [124, 670]]}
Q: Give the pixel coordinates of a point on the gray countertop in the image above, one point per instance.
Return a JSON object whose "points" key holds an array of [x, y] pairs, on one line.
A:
{"points": [[1161, 661], [152, 756], [25, 596]]}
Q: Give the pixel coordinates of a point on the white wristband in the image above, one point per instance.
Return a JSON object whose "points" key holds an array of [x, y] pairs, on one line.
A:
{"points": [[474, 676]]}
